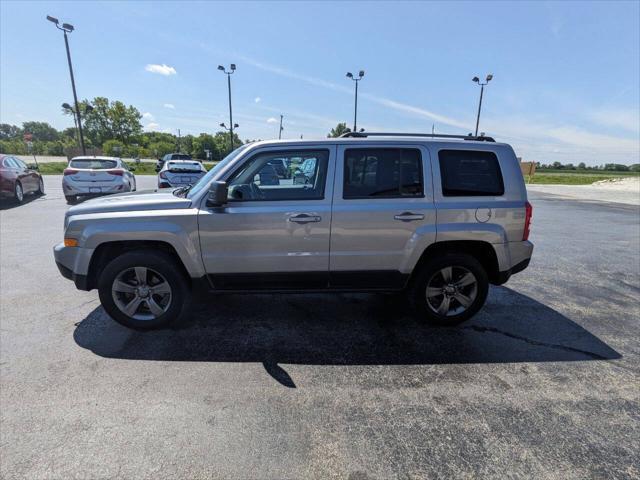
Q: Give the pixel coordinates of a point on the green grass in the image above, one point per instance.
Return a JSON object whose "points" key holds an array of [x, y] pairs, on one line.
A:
{"points": [[577, 177], [143, 168]]}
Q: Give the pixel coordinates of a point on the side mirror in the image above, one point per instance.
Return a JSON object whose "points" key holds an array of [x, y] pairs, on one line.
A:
{"points": [[217, 194]]}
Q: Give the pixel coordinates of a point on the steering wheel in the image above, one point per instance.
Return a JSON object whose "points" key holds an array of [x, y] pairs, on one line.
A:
{"points": [[256, 193]]}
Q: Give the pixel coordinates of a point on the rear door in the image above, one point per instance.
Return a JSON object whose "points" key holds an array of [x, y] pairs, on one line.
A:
{"points": [[28, 177], [383, 213], [273, 233]]}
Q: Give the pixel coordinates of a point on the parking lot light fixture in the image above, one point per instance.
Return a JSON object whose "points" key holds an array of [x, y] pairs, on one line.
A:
{"points": [[68, 28], [231, 71], [355, 112], [477, 80]]}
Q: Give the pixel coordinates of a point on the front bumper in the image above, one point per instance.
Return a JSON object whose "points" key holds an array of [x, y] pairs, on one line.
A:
{"points": [[73, 263]]}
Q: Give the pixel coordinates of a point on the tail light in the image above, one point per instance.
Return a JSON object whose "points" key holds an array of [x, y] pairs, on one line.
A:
{"points": [[116, 172], [70, 171], [163, 175], [528, 208]]}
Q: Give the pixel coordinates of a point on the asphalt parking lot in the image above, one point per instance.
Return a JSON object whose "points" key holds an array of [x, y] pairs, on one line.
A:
{"points": [[542, 383]]}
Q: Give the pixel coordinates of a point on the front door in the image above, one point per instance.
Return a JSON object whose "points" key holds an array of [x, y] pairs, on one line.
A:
{"points": [[274, 231], [383, 215]]}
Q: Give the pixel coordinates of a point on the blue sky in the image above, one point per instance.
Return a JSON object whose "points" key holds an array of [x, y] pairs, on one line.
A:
{"points": [[566, 74]]}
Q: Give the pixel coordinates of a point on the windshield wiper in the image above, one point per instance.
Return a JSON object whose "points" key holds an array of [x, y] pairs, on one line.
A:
{"points": [[182, 191]]}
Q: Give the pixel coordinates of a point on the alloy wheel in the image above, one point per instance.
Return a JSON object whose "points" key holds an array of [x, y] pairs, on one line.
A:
{"points": [[451, 290], [19, 193], [141, 293]]}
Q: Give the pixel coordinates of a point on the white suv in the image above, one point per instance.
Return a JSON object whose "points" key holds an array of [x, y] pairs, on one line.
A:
{"points": [[438, 218]]}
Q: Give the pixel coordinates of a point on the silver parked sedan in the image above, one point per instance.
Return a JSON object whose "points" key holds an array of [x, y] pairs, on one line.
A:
{"points": [[176, 173], [96, 176]]}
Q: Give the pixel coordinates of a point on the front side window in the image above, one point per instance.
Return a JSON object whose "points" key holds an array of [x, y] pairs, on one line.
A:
{"points": [[382, 173], [294, 175], [469, 173]]}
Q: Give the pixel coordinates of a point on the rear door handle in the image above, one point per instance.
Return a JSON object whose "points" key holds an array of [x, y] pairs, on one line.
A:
{"points": [[305, 218], [408, 216]]}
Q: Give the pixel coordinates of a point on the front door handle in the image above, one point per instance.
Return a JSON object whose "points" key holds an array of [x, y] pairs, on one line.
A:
{"points": [[408, 216], [305, 218]]}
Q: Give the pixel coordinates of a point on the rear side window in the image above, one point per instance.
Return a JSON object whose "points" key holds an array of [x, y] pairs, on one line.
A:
{"points": [[468, 173], [382, 173]]}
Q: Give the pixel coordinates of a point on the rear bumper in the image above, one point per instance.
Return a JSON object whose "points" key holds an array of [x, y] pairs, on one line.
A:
{"points": [[520, 254], [101, 189]]}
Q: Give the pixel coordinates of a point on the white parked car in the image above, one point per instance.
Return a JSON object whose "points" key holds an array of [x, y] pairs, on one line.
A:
{"points": [[86, 176], [176, 173]]}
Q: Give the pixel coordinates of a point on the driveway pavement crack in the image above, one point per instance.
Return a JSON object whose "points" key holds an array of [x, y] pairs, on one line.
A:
{"points": [[565, 348]]}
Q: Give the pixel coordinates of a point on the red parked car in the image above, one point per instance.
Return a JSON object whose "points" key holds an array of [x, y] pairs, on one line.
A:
{"points": [[17, 179]]}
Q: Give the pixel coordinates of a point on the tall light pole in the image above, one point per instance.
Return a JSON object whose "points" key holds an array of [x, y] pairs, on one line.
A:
{"points": [[232, 69], [68, 28], [355, 110], [477, 80], [281, 128]]}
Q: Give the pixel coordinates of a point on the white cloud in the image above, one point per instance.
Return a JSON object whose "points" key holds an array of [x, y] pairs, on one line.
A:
{"points": [[152, 127], [170, 106], [148, 116], [163, 69], [272, 120], [617, 118], [257, 99]]}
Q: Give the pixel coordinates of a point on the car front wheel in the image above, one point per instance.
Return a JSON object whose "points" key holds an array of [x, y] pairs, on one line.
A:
{"points": [[450, 289], [144, 290], [40, 190]]}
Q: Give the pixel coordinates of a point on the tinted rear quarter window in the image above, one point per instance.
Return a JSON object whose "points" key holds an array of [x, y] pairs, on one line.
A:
{"points": [[469, 173], [382, 173]]}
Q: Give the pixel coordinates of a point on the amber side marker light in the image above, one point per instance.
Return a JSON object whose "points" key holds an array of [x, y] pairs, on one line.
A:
{"points": [[70, 242]]}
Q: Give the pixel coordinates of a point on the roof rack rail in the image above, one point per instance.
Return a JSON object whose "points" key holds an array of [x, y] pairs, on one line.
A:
{"points": [[480, 138]]}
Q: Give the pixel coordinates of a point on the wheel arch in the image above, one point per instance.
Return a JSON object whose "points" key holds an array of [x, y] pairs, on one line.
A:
{"points": [[107, 251], [482, 251]]}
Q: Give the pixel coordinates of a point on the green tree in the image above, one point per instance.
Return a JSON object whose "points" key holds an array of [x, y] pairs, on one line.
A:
{"points": [[582, 166], [107, 120], [41, 131], [8, 132], [635, 167], [339, 130], [113, 148]]}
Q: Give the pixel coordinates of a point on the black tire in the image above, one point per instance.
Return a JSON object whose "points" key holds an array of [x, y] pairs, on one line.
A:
{"points": [[71, 199], [430, 274], [18, 193], [160, 262], [40, 190]]}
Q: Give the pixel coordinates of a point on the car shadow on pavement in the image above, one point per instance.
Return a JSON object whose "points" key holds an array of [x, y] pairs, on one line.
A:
{"points": [[347, 329], [8, 203]]}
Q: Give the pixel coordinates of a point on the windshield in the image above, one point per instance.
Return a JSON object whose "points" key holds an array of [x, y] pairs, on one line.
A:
{"points": [[214, 171], [94, 164], [180, 156]]}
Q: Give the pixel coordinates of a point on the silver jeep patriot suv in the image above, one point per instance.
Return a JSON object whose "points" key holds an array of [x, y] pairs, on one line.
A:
{"points": [[436, 217]]}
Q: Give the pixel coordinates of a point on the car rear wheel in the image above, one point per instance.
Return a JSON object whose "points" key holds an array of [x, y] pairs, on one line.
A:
{"points": [[450, 289], [144, 290], [18, 192]]}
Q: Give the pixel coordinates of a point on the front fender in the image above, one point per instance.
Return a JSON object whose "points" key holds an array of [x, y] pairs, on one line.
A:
{"points": [[177, 228]]}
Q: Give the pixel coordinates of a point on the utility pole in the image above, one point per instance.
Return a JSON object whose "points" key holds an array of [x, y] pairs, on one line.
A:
{"points": [[232, 69], [355, 110], [178, 140], [477, 80], [281, 128], [68, 28]]}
